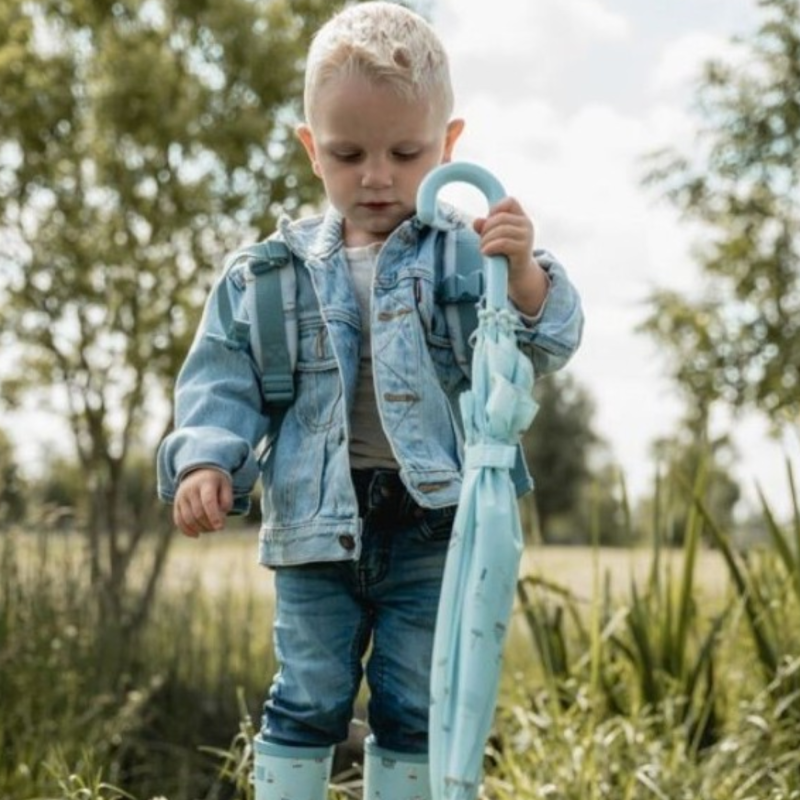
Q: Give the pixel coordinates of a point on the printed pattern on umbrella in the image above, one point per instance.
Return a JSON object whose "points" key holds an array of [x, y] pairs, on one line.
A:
{"points": [[482, 565]]}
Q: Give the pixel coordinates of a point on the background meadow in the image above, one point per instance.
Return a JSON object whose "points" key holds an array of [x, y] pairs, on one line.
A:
{"points": [[648, 672]]}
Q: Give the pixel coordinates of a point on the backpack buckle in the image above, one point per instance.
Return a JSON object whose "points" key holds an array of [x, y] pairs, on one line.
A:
{"points": [[267, 255], [278, 389], [457, 288]]}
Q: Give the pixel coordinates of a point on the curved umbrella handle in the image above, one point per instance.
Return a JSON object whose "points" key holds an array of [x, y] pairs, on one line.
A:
{"points": [[455, 172], [495, 267]]}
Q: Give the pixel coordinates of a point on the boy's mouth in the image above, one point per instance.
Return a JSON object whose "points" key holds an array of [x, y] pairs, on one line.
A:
{"points": [[377, 206]]}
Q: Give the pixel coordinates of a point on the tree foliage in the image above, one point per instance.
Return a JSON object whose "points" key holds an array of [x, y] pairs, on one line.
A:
{"points": [[558, 448], [139, 141], [739, 340]]}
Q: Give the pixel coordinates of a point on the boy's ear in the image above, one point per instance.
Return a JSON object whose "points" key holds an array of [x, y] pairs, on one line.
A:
{"points": [[306, 137], [454, 129]]}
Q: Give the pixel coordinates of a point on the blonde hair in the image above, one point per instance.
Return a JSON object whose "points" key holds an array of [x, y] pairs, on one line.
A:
{"points": [[386, 43]]}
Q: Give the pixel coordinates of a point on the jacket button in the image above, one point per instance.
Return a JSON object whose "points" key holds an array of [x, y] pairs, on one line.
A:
{"points": [[347, 542]]}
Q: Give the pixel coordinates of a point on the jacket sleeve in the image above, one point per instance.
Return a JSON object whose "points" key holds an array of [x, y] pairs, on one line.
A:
{"points": [[219, 414], [554, 335]]}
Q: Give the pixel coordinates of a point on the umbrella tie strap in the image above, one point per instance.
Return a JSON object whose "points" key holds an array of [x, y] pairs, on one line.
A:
{"points": [[504, 317], [480, 455]]}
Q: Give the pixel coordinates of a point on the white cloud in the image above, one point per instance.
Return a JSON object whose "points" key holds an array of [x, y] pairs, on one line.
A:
{"points": [[511, 48], [596, 17], [681, 63], [512, 28]]}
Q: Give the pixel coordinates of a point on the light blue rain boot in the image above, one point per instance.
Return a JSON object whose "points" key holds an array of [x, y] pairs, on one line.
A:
{"points": [[291, 773], [394, 776]]}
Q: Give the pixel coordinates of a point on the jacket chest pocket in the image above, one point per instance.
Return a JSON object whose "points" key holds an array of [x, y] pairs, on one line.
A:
{"points": [[319, 386]]}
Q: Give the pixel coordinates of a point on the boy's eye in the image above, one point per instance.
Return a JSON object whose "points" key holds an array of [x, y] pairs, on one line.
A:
{"points": [[406, 155], [347, 156]]}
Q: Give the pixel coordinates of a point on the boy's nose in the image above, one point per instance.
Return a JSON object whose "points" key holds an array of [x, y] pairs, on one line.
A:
{"points": [[377, 174]]}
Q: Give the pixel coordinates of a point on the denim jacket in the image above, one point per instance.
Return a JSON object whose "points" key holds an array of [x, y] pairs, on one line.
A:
{"points": [[309, 508]]}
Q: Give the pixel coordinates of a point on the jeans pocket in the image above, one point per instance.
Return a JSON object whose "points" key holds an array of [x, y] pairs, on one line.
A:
{"points": [[436, 524]]}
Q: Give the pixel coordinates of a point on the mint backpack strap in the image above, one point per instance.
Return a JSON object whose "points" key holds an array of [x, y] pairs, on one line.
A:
{"points": [[237, 331], [460, 291], [272, 310]]}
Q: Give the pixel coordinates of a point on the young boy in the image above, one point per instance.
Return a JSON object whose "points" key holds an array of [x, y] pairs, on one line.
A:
{"points": [[361, 482]]}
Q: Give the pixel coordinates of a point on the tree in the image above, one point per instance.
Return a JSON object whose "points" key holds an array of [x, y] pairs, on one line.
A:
{"points": [[739, 341], [689, 463], [139, 142], [603, 516], [558, 447], [12, 486]]}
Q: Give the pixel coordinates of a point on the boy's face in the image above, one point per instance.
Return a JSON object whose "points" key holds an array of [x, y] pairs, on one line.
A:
{"points": [[372, 148]]}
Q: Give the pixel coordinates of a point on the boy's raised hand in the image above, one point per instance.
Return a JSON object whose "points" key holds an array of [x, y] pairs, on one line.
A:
{"points": [[508, 231], [202, 502]]}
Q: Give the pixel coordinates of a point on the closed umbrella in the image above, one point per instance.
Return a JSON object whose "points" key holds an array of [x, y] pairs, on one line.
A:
{"points": [[483, 560]]}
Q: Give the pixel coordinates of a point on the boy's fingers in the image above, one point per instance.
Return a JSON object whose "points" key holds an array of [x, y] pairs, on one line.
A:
{"points": [[194, 510], [503, 236], [184, 522], [189, 515], [225, 497], [504, 229], [506, 204], [197, 514], [202, 503], [210, 516]]}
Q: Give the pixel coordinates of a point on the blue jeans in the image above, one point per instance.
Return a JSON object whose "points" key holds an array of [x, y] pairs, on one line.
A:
{"points": [[328, 614]]}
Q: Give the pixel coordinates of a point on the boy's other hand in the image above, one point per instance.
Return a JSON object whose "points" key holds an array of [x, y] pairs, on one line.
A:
{"points": [[204, 498]]}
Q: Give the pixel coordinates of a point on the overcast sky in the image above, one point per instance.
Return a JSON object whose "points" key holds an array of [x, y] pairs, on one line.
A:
{"points": [[562, 99]]}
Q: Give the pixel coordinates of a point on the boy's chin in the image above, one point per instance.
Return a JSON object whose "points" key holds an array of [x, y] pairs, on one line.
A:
{"points": [[362, 235]]}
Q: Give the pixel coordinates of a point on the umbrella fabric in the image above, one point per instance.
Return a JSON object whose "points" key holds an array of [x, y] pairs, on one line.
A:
{"points": [[482, 564], [483, 561]]}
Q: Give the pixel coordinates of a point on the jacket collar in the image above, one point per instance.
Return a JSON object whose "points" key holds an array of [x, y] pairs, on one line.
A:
{"points": [[313, 238], [318, 237]]}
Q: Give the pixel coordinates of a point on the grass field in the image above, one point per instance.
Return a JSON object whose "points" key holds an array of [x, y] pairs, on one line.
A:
{"points": [[214, 560], [616, 686]]}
